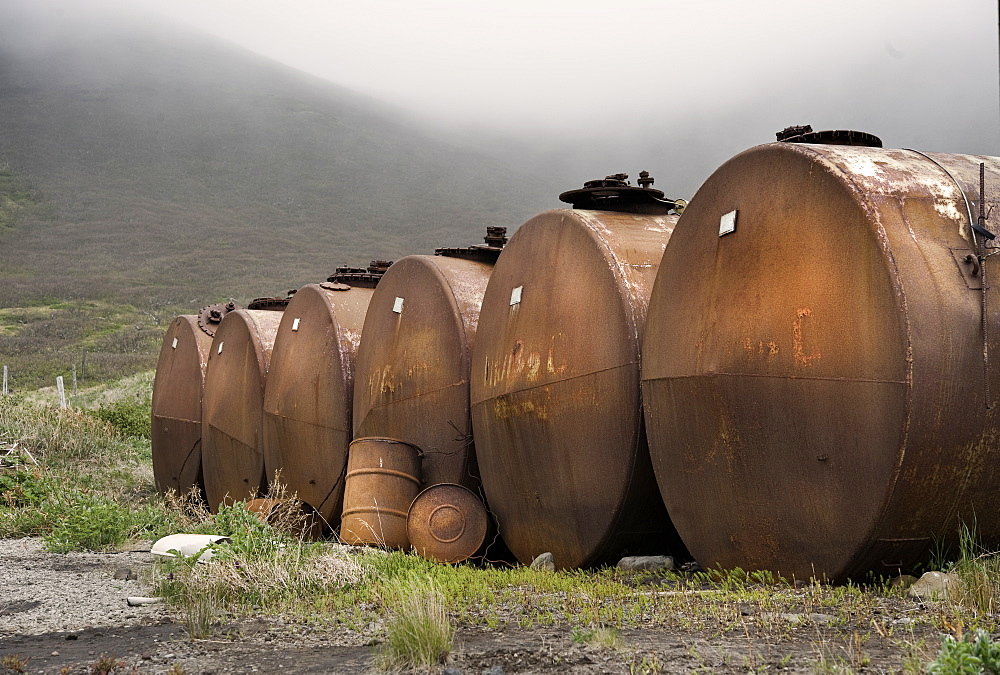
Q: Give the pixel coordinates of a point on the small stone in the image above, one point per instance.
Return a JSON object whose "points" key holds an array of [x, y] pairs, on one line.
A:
{"points": [[497, 670], [903, 581], [451, 671], [543, 562], [72, 636], [124, 574], [656, 563], [933, 586], [55, 653], [691, 567]]}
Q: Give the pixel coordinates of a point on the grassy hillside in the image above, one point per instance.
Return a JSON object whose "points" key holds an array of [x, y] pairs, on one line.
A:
{"points": [[178, 169], [146, 171]]}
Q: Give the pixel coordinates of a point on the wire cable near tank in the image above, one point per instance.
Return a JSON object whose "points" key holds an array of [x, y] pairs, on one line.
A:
{"points": [[981, 249]]}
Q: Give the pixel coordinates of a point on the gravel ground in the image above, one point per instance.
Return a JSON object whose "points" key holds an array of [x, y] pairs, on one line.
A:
{"points": [[63, 612], [44, 593]]}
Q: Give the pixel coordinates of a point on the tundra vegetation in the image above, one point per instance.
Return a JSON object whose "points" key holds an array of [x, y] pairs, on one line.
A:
{"points": [[92, 489]]}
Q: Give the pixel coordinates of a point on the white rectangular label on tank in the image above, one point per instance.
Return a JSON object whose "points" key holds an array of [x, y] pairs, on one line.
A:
{"points": [[397, 306], [295, 323], [515, 295], [727, 223], [173, 344], [220, 347]]}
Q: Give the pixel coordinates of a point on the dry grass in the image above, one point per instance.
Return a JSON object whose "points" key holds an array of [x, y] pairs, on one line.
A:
{"points": [[978, 573], [419, 635]]}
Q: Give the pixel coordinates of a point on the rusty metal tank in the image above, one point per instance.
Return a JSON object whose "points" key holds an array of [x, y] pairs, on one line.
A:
{"points": [[412, 367], [820, 395], [177, 394], [310, 388], [233, 407], [555, 384]]}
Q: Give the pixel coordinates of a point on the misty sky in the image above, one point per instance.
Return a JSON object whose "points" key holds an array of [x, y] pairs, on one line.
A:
{"points": [[555, 64], [676, 87]]}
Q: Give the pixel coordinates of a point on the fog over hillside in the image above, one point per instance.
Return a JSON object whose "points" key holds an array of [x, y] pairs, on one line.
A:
{"points": [[178, 149], [584, 87], [179, 166]]}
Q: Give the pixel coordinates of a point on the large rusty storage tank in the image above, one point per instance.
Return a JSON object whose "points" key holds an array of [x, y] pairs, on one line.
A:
{"points": [[555, 381], [310, 387], [412, 368], [820, 395], [233, 408], [176, 415]]}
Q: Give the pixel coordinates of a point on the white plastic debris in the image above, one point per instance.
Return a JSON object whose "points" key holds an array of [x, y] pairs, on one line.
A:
{"points": [[139, 601], [188, 545]]}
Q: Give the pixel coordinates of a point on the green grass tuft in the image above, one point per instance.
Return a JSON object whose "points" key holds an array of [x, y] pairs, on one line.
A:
{"points": [[978, 573], [418, 632], [127, 418]]}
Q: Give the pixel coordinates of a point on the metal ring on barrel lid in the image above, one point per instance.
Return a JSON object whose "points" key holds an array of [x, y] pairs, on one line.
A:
{"points": [[274, 304], [359, 277], [383, 478], [447, 523], [211, 316], [616, 193], [805, 134]]}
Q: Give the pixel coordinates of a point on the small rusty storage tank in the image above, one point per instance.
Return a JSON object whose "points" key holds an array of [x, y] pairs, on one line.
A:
{"points": [[412, 368], [177, 393], [233, 409], [820, 395], [310, 387], [555, 380]]}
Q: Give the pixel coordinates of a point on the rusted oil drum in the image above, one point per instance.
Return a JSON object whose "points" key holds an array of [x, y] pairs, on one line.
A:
{"points": [[383, 477], [308, 397], [412, 369], [292, 515], [177, 393], [555, 388], [447, 523], [813, 367], [233, 410]]}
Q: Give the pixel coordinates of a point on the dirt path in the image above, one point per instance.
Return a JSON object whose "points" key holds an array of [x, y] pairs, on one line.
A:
{"points": [[66, 611]]}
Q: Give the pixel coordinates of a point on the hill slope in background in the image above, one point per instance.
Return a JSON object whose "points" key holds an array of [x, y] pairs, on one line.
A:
{"points": [[176, 169]]}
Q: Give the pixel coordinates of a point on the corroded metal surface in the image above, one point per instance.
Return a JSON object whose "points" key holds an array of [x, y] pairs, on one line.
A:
{"points": [[274, 304], [233, 410], [447, 523], [412, 368], [309, 393], [496, 239], [616, 193], [555, 388], [360, 277], [814, 383], [177, 394], [383, 477], [211, 316], [805, 134]]}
